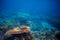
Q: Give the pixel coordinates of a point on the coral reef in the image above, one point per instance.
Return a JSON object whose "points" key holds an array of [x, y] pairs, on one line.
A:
{"points": [[42, 29]]}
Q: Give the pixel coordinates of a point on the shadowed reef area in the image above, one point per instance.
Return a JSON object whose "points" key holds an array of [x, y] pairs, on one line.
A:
{"points": [[42, 27]]}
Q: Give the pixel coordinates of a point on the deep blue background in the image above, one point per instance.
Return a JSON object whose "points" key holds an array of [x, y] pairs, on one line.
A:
{"points": [[41, 7]]}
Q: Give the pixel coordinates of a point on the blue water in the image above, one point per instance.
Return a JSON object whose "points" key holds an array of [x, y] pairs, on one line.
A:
{"points": [[21, 12]]}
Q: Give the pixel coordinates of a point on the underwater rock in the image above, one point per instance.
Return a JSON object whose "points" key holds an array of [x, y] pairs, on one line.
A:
{"points": [[57, 35], [22, 33]]}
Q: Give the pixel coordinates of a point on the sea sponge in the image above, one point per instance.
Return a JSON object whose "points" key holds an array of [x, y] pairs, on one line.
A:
{"points": [[25, 28], [18, 30]]}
